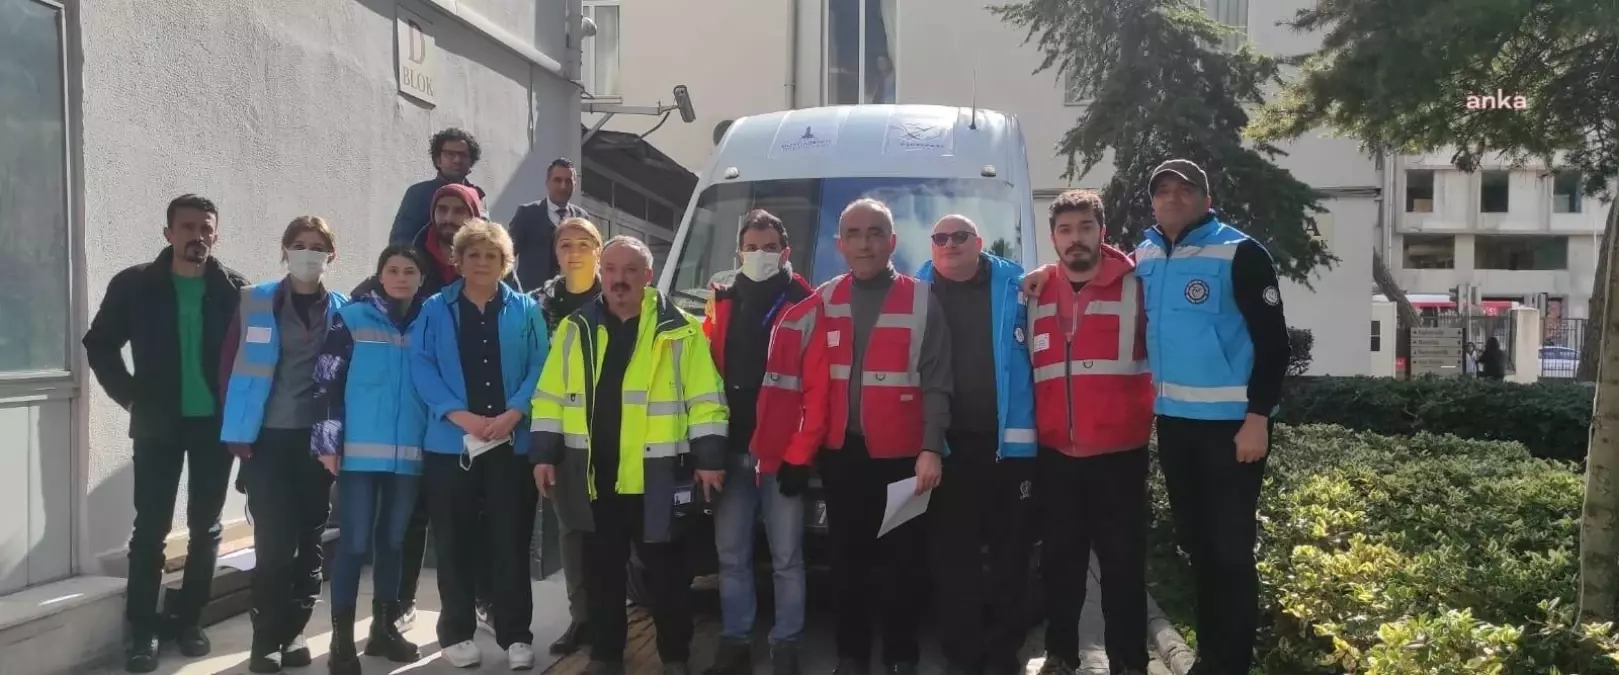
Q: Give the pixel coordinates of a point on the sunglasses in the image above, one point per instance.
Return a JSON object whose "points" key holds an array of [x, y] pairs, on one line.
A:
{"points": [[958, 238]]}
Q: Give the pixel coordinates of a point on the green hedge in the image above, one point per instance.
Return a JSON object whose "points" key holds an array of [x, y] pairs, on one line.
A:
{"points": [[1550, 418], [1410, 555]]}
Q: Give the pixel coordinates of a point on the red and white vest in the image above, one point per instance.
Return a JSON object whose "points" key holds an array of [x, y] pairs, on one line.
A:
{"points": [[1092, 388]]}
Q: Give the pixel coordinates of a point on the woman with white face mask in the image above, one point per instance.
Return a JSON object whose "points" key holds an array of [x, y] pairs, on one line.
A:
{"points": [[268, 361]]}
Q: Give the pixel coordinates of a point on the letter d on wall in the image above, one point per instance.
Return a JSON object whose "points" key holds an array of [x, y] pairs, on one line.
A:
{"points": [[415, 56]]}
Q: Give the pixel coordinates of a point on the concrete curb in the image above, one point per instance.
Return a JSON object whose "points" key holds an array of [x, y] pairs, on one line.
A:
{"points": [[1166, 640]]}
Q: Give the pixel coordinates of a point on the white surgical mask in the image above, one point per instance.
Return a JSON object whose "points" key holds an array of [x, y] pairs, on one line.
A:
{"points": [[306, 265], [760, 265]]}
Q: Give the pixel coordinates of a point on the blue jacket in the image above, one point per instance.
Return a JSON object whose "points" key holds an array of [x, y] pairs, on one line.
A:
{"points": [[1014, 377], [1197, 340], [371, 414], [436, 363], [253, 372]]}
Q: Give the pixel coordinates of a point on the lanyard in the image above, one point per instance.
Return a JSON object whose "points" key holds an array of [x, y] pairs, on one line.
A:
{"points": [[780, 300]]}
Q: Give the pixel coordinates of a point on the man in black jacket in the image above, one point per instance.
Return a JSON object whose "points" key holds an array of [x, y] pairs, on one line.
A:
{"points": [[535, 224], [173, 313]]}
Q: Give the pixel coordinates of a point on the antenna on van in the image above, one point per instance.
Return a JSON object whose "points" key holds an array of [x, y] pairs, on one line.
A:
{"points": [[974, 124]]}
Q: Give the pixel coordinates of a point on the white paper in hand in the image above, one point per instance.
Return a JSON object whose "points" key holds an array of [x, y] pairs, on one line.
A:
{"points": [[903, 504]]}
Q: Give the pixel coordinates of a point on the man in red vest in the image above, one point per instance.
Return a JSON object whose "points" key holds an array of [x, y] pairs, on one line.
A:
{"points": [[738, 323], [1093, 413], [862, 369]]}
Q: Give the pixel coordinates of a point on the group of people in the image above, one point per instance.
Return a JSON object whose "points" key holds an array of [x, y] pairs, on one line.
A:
{"points": [[438, 395]]}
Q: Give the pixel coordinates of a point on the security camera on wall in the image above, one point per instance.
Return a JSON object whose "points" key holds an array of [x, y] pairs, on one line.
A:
{"points": [[587, 27]]}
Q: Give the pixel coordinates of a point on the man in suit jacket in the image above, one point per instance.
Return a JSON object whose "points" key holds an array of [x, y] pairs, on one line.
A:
{"points": [[534, 227]]}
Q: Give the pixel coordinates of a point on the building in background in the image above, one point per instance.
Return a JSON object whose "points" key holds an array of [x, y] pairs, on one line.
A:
{"points": [[1523, 234], [110, 108], [757, 56], [628, 187]]}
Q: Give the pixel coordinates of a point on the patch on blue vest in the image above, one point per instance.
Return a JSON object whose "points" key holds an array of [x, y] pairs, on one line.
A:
{"points": [[1197, 292], [1017, 334]]}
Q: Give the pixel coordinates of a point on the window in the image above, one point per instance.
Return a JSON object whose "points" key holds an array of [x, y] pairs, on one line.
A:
{"points": [[1231, 13], [1493, 191], [1566, 192], [1419, 191], [1430, 251], [601, 52], [1520, 252], [1377, 335], [810, 208], [860, 50], [34, 234]]}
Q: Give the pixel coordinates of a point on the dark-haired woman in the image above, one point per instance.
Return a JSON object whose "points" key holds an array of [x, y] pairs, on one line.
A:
{"points": [[1492, 363], [369, 436]]}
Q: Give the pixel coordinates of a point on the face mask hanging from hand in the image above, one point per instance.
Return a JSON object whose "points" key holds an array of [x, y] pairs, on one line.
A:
{"points": [[306, 266], [760, 265]]}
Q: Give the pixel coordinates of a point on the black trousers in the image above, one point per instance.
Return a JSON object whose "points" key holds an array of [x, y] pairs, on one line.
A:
{"points": [[607, 552], [500, 485], [414, 550], [1095, 503], [289, 497], [856, 492], [1214, 499], [982, 518], [157, 482]]}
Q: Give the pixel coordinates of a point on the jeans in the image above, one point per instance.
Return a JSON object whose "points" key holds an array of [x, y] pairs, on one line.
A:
{"points": [[746, 496], [368, 500], [501, 486], [289, 497], [157, 482], [1096, 504], [1213, 499]]}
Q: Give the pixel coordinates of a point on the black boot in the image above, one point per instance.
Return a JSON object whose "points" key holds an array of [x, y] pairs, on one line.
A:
{"points": [[142, 654], [386, 639], [294, 648], [343, 660], [731, 658], [572, 639], [268, 636]]}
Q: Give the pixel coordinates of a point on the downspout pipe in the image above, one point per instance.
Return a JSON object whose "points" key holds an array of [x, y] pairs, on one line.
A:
{"points": [[792, 54]]}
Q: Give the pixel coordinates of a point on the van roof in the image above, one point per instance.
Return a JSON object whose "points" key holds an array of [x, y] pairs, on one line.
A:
{"points": [[918, 141]]}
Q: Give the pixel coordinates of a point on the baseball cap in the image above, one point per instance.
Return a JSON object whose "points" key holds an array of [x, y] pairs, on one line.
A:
{"points": [[1184, 169]]}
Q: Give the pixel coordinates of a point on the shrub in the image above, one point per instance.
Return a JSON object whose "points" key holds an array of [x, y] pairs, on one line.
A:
{"points": [[1300, 341], [1550, 418], [1411, 555]]}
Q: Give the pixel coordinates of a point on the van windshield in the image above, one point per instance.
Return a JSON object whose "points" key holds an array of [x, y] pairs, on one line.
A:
{"points": [[810, 208]]}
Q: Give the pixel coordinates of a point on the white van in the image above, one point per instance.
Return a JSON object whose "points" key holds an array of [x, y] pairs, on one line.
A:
{"points": [[805, 166]]}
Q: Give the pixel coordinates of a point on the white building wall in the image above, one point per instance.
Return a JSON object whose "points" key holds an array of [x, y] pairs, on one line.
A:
{"points": [[275, 110]]}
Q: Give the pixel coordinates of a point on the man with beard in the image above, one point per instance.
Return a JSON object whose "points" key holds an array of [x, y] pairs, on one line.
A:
{"points": [[535, 226], [983, 511], [173, 313], [1218, 351], [1093, 408], [738, 322], [454, 153], [859, 377]]}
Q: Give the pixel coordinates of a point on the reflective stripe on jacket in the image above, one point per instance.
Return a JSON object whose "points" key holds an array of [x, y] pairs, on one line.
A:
{"points": [[673, 418], [1093, 391], [1197, 340], [1014, 383], [259, 350], [435, 348], [385, 419], [790, 426]]}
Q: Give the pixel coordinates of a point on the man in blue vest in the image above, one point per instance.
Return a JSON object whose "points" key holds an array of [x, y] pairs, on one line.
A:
{"points": [[1217, 345], [982, 513]]}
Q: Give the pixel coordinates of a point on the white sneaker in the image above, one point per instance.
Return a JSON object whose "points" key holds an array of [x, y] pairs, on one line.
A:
{"points": [[520, 655], [463, 655]]}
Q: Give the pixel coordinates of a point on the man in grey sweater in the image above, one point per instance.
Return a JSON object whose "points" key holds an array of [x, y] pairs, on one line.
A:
{"points": [[881, 347]]}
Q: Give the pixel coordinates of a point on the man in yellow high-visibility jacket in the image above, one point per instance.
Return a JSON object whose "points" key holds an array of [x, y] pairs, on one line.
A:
{"points": [[629, 431]]}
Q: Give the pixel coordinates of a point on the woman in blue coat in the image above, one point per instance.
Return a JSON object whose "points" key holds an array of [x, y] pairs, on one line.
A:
{"points": [[478, 346], [369, 435]]}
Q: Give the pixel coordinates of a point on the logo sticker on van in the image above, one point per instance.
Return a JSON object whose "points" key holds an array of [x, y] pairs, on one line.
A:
{"points": [[924, 136]]}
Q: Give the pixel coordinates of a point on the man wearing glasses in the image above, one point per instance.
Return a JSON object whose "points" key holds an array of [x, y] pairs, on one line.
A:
{"points": [[982, 512]]}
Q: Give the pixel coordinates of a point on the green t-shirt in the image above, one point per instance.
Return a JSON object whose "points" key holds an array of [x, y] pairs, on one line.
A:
{"points": [[195, 399]]}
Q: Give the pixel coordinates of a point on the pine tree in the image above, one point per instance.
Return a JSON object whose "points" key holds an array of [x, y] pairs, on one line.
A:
{"points": [[1160, 86]]}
